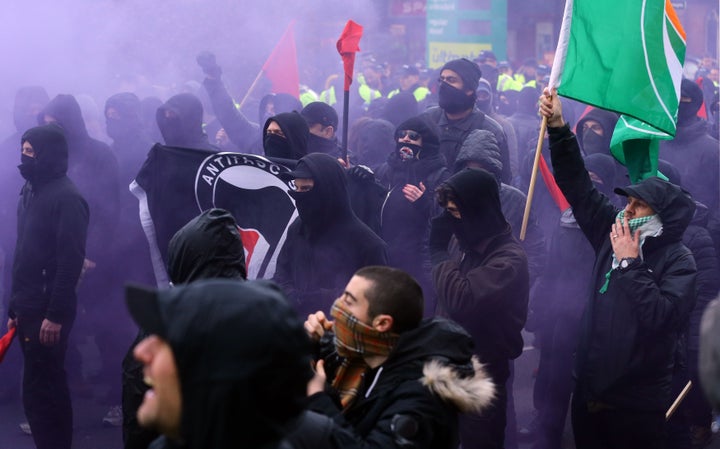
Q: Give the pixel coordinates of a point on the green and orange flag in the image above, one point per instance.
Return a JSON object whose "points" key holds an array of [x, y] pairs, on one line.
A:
{"points": [[624, 56]]}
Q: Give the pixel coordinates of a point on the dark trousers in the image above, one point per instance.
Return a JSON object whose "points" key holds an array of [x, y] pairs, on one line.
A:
{"points": [[46, 396], [487, 429], [598, 427]]}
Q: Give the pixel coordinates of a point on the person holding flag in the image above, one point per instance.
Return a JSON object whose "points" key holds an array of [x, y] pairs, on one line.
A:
{"points": [[642, 292]]}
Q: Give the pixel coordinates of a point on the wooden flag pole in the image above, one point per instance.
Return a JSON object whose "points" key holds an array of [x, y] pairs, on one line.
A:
{"points": [[249, 91], [533, 178], [678, 400]]}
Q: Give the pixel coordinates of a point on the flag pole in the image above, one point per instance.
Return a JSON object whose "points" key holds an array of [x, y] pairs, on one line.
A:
{"points": [[346, 108], [678, 400], [533, 178], [252, 88]]}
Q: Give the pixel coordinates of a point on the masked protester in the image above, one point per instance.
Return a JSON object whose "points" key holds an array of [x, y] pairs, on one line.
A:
{"points": [[481, 278], [327, 242], [180, 120], [413, 171], [403, 381], [285, 138], [52, 230], [456, 114], [643, 287]]}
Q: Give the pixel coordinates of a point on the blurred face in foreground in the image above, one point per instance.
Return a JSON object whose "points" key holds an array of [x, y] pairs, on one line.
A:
{"points": [[162, 404]]}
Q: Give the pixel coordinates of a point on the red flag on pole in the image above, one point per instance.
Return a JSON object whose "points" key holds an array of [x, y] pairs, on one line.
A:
{"points": [[552, 186], [281, 67], [5, 342], [347, 46]]}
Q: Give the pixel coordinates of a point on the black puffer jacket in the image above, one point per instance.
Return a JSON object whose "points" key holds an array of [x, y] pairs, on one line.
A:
{"points": [[413, 399], [327, 243], [629, 335], [480, 147], [51, 233]]}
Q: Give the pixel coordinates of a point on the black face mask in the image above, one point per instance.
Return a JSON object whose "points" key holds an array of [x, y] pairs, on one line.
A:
{"points": [[27, 167], [310, 207], [484, 105], [276, 146], [408, 152], [687, 111], [454, 100], [593, 143]]}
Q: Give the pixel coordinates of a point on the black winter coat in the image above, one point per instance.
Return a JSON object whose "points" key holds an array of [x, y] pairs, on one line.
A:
{"points": [[630, 333], [402, 403]]}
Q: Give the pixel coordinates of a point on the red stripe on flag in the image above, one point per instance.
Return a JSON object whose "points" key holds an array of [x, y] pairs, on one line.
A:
{"points": [[552, 186]]}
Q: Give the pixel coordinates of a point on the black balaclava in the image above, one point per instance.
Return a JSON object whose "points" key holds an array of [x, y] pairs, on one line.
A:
{"points": [[184, 126], [603, 165], [454, 100], [294, 145], [29, 101], [687, 110], [51, 154], [589, 140], [208, 246], [129, 123], [527, 100], [406, 152], [328, 200], [479, 204]]}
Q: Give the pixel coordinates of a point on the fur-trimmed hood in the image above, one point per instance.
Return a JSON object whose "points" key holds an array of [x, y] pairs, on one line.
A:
{"points": [[449, 369], [466, 393]]}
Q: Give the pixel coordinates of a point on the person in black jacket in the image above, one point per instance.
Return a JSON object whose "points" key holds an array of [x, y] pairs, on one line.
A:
{"points": [[402, 381], [180, 120], [481, 279], [228, 363], [52, 231], [640, 298], [322, 121], [327, 243], [411, 174], [208, 246], [285, 138]]}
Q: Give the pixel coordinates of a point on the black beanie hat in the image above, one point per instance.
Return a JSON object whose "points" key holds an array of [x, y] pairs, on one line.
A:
{"points": [[468, 71]]}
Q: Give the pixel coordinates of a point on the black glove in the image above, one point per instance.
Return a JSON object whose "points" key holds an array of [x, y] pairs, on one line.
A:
{"points": [[441, 231], [361, 173], [206, 60]]}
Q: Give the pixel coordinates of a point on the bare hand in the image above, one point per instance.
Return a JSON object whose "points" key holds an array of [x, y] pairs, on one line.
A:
{"points": [[49, 332], [12, 322], [551, 108], [317, 383], [343, 162], [413, 193], [316, 325], [623, 242]]}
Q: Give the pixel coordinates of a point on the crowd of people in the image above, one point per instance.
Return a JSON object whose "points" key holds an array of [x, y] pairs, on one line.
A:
{"points": [[402, 293]]}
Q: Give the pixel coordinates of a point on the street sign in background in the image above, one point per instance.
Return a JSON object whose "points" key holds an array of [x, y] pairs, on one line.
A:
{"points": [[464, 28]]}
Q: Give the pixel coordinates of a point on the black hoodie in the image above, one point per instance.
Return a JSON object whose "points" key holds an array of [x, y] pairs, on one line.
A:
{"points": [[52, 229], [295, 144], [180, 120], [484, 283], [93, 168], [327, 243]]}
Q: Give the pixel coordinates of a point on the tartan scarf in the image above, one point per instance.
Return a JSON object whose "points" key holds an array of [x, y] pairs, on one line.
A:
{"points": [[353, 340]]}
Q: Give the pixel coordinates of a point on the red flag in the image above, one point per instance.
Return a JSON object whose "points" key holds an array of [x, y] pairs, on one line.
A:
{"points": [[281, 67], [552, 186], [5, 342], [347, 46]]}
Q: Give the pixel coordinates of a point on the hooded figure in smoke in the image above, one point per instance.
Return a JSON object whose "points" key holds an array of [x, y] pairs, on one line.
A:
{"points": [[481, 279], [327, 243], [49, 254], [693, 152], [208, 246], [180, 120], [229, 364], [285, 138]]}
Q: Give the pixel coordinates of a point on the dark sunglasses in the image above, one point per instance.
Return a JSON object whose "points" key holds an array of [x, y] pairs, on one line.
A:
{"points": [[407, 133]]}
